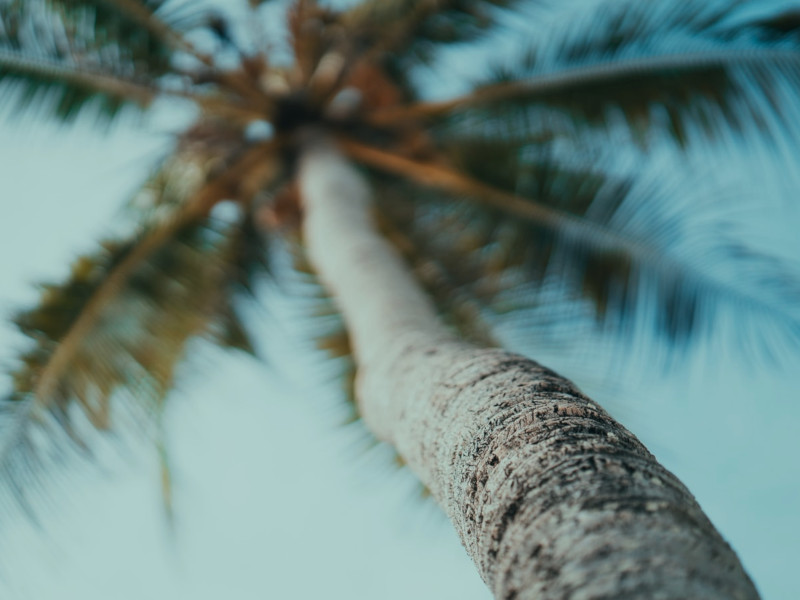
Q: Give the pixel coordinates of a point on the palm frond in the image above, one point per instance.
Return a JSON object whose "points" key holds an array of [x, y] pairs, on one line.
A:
{"points": [[145, 32], [118, 327], [247, 261], [65, 90], [64, 56], [407, 30], [670, 68], [45, 65], [782, 26], [454, 283], [585, 246], [132, 346]]}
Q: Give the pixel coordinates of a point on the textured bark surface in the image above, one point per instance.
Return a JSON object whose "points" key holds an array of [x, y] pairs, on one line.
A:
{"points": [[551, 497]]}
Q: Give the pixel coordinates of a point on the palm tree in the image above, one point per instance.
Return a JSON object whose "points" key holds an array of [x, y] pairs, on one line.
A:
{"points": [[435, 225]]}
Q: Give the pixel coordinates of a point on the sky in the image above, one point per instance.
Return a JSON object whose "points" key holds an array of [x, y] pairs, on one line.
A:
{"points": [[274, 498]]}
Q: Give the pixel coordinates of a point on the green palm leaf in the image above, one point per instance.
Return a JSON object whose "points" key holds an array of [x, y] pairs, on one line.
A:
{"points": [[417, 26], [555, 241], [65, 90], [60, 57], [684, 71], [783, 26], [144, 34]]}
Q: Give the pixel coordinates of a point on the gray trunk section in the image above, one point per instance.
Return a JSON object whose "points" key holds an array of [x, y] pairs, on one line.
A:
{"points": [[551, 497]]}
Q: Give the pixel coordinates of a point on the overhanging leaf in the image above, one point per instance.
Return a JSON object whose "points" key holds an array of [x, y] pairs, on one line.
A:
{"points": [[135, 342], [659, 69], [615, 244], [62, 56], [415, 26], [115, 331]]}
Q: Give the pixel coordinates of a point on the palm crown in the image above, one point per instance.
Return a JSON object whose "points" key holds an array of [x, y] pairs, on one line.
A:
{"points": [[504, 200]]}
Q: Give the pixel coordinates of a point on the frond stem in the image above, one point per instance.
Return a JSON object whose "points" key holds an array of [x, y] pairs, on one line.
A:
{"points": [[215, 190], [142, 93], [597, 73], [450, 180], [138, 13]]}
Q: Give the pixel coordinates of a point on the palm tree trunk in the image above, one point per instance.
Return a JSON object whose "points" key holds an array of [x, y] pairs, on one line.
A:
{"points": [[551, 497]]}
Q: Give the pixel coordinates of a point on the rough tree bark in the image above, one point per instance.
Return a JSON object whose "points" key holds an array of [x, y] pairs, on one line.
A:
{"points": [[551, 497]]}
